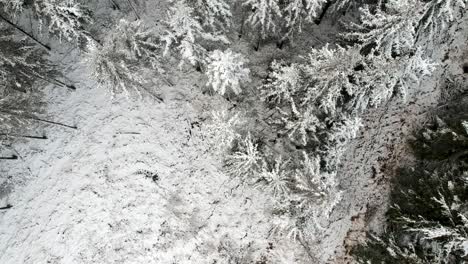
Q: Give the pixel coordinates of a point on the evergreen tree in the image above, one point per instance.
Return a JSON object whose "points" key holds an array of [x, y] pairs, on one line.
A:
{"points": [[118, 63], [63, 19], [266, 15], [185, 32], [226, 70]]}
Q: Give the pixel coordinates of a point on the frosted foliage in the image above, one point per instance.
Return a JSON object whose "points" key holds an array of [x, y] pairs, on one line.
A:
{"points": [[12, 6], [310, 182], [277, 178], [226, 70], [216, 14], [341, 134], [282, 83], [396, 30], [137, 42], [384, 76], [390, 32], [111, 70], [265, 15], [61, 17], [185, 31], [303, 124], [298, 12], [244, 162], [329, 70], [116, 63], [223, 128]]}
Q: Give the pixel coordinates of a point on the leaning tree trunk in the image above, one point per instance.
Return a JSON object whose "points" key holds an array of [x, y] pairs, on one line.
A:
{"points": [[24, 32], [37, 119]]}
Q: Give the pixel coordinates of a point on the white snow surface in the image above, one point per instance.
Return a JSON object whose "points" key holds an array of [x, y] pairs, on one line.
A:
{"points": [[83, 200]]}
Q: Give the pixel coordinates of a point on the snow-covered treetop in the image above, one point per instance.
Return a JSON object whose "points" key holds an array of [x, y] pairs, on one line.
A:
{"points": [[185, 31], [299, 12], [282, 82], [266, 15], [394, 29], [63, 18], [226, 70], [329, 71], [223, 128], [215, 14], [116, 64]]}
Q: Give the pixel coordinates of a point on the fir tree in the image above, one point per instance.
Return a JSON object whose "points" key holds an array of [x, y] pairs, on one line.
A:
{"points": [[226, 70], [266, 15], [185, 31], [117, 64]]}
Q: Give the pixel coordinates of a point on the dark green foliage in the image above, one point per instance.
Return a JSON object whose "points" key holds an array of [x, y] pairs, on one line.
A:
{"points": [[427, 221]]}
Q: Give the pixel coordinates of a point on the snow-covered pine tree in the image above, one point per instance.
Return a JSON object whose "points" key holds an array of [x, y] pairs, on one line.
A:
{"points": [[302, 128], [185, 34], [398, 26], [226, 70], [245, 162], [21, 63], [277, 178], [63, 19], [266, 15], [297, 13], [282, 84], [22, 69], [223, 128], [117, 64], [215, 14], [332, 74]]}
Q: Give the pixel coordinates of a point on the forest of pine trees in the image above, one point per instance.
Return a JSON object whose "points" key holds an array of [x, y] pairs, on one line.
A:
{"points": [[288, 125]]}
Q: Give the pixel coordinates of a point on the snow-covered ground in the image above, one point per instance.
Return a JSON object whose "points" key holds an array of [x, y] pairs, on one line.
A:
{"points": [[135, 183]]}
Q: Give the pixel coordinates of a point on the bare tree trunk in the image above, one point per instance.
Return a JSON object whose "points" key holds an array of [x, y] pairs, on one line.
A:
{"points": [[6, 207], [22, 136], [324, 11], [56, 82], [115, 5], [25, 33], [134, 9], [12, 157], [37, 119]]}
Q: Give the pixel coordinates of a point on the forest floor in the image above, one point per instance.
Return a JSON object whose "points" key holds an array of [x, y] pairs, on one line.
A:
{"points": [[135, 183]]}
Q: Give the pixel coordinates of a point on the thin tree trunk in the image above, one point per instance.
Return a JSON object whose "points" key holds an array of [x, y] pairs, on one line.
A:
{"points": [[12, 157], [6, 207], [52, 122], [159, 99], [257, 46], [25, 33], [116, 6], [134, 9], [56, 82], [22, 136], [324, 11], [37, 119]]}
